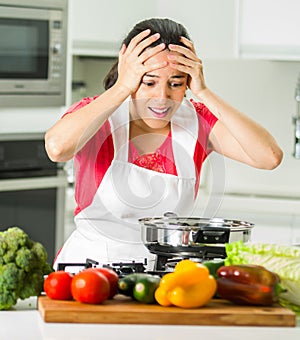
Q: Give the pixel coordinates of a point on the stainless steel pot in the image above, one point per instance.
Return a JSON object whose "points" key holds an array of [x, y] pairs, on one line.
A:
{"points": [[191, 235]]}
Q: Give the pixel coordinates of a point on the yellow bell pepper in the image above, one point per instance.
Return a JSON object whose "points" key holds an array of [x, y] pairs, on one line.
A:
{"points": [[189, 286]]}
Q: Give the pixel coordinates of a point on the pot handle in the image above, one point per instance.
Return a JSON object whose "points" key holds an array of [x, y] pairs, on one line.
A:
{"points": [[169, 214]]}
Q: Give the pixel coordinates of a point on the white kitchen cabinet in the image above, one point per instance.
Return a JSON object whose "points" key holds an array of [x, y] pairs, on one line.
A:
{"points": [[268, 29], [210, 24], [97, 27]]}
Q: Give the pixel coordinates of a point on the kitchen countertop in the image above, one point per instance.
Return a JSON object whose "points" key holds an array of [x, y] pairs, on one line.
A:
{"points": [[24, 322]]}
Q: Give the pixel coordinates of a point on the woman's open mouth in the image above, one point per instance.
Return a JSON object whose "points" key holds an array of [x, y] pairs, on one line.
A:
{"points": [[159, 112]]}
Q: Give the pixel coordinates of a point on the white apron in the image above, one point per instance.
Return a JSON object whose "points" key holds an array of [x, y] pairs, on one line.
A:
{"points": [[108, 230]]}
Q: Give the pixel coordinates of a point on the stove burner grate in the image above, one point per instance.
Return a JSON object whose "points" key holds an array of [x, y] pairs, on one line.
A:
{"points": [[121, 268], [165, 254]]}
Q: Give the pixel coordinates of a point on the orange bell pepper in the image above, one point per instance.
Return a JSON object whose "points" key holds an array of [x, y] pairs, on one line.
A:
{"points": [[189, 286]]}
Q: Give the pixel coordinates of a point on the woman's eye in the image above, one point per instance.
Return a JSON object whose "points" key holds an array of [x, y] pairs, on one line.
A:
{"points": [[176, 84], [147, 83]]}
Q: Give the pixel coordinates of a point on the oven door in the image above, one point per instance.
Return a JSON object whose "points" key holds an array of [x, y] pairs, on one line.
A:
{"points": [[37, 205], [24, 41]]}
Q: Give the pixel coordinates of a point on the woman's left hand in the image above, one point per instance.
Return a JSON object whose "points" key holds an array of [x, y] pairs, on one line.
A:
{"points": [[187, 61]]}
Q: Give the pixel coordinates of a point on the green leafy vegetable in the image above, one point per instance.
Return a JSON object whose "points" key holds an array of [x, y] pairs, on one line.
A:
{"points": [[22, 267], [280, 259]]}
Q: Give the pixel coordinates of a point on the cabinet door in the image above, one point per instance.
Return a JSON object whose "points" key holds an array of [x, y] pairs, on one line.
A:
{"points": [[210, 24], [97, 27], [269, 29]]}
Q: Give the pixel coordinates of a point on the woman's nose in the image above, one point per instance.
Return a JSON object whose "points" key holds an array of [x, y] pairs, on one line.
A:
{"points": [[163, 92]]}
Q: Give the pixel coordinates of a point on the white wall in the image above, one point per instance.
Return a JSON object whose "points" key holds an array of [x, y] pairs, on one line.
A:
{"points": [[264, 90]]}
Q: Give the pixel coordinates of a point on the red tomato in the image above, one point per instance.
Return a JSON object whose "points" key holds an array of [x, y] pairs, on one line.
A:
{"points": [[90, 286], [112, 278], [57, 285]]}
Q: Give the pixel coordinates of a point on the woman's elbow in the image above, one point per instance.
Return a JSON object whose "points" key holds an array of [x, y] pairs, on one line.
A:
{"points": [[55, 150], [274, 159]]}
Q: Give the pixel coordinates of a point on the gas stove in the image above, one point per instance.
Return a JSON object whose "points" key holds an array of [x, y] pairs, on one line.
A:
{"points": [[165, 262]]}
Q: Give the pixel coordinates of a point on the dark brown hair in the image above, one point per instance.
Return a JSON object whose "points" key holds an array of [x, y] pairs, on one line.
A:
{"points": [[170, 33]]}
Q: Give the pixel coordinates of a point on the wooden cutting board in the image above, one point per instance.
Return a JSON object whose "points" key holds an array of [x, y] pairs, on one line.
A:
{"points": [[122, 310]]}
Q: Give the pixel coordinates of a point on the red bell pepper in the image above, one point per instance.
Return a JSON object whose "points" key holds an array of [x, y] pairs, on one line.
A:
{"points": [[248, 285]]}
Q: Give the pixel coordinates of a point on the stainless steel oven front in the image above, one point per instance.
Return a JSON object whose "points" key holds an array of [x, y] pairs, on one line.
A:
{"points": [[32, 190], [33, 44]]}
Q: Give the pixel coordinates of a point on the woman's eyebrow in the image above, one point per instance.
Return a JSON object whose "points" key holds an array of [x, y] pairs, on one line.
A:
{"points": [[179, 76]]}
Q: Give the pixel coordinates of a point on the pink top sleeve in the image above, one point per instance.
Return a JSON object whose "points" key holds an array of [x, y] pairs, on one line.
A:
{"points": [[206, 121]]}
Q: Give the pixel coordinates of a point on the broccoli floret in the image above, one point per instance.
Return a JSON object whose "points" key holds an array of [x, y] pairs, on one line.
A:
{"points": [[3, 244], [10, 277], [39, 252], [7, 299], [23, 265], [10, 281], [47, 269], [9, 256], [33, 284], [26, 259], [16, 238]]}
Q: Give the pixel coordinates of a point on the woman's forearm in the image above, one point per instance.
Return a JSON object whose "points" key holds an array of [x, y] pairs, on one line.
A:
{"points": [[72, 132], [257, 146]]}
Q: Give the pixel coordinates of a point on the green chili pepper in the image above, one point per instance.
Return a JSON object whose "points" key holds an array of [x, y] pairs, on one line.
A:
{"points": [[213, 266]]}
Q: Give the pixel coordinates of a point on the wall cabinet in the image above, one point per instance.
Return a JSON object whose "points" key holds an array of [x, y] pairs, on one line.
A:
{"points": [[97, 27], [210, 24], [255, 29], [268, 29]]}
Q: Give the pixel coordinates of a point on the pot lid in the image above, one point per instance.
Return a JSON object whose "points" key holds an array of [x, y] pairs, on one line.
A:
{"points": [[193, 223]]}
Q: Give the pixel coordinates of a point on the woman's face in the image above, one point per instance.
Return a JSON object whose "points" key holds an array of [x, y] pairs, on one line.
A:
{"points": [[159, 95]]}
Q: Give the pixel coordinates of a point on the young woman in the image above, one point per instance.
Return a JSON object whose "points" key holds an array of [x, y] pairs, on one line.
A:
{"points": [[138, 147]]}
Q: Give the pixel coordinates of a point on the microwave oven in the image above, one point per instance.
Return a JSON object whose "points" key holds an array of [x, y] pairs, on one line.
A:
{"points": [[33, 52]]}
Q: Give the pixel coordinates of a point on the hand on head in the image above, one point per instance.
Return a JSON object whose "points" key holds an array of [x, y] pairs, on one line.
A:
{"points": [[135, 60], [188, 62], [131, 67]]}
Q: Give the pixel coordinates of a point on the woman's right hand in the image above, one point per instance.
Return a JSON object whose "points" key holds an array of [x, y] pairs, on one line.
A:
{"points": [[131, 67], [71, 133]]}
